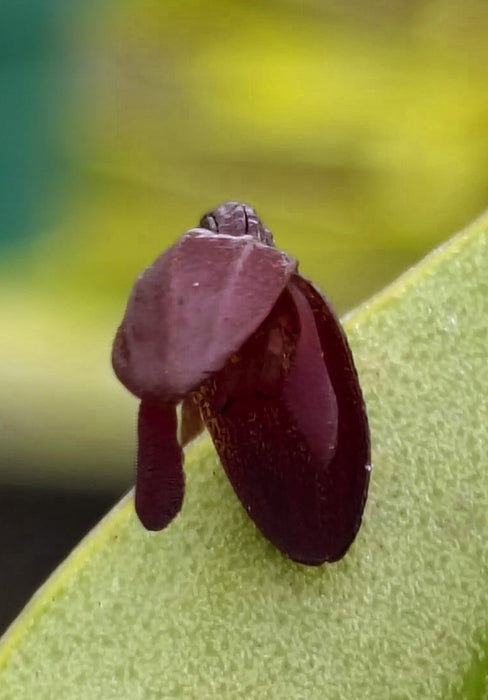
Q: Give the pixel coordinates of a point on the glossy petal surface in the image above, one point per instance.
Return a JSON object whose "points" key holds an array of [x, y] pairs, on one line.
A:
{"points": [[308, 391], [345, 485], [192, 308]]}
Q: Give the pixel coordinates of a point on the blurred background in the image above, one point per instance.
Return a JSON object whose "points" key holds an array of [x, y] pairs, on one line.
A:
{"points": [[358, 130]]}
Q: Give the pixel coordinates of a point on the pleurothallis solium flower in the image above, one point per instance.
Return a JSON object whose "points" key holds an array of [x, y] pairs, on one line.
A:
{"points": [[223, 323]]}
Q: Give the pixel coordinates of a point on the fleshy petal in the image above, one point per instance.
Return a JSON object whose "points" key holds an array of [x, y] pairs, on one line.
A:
{"points": [[280, 445], [160, 484], [264, 454], [192, 308]]}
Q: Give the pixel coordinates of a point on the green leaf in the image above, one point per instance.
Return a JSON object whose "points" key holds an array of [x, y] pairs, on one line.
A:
{"points": [[209, 609]]}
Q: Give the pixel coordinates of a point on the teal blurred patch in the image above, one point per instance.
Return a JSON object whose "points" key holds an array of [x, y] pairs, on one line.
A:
{"points": [[32, 89]]}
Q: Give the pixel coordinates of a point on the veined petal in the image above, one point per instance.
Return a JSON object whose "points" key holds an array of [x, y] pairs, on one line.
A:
{"points": [[280, 446], [264, 454]]}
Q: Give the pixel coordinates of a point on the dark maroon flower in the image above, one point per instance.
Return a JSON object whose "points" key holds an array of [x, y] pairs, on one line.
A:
{"points": [[223, 322]]}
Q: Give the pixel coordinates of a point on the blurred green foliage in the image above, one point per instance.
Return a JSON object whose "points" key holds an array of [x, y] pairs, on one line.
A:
{"points": [[359, 132]]}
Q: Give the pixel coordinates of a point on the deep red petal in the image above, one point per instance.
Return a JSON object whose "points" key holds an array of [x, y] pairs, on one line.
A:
{"points": [[300, 472], [192, 308], [264, 454], [160, 483]]}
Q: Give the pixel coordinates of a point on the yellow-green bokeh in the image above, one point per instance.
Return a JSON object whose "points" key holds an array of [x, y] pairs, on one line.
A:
{"points": [[359, 131]]}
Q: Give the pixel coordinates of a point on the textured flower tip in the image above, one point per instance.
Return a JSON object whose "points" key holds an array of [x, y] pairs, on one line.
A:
{"points": [[223, 322]]}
